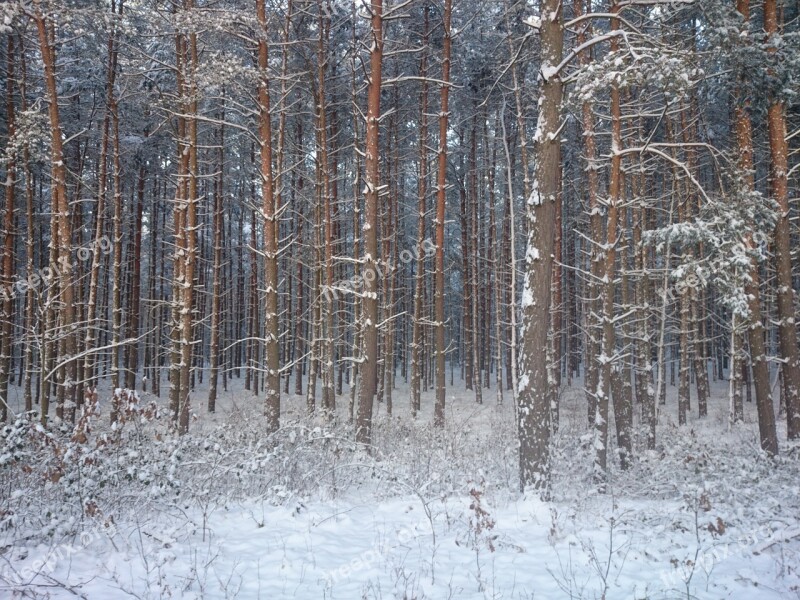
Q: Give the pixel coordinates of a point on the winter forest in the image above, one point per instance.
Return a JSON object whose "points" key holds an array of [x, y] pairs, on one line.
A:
{"points": [[399, 299]]}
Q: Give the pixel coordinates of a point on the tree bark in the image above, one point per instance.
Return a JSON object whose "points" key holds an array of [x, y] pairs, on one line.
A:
{"points": [[417, 357], [441, 201], [216, 285], [62, 226], [6, 279], [787, 332], [272, 402], [755, 327], [533, 394], [369, 371]]}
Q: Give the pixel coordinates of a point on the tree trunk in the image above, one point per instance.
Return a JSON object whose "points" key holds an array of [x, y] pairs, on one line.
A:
{"points": [[132, 349], [755, 327], [607, 368], [116, 295], [30, 333], [62, 226], [272, 402], [419, 286], [369, 371], [441, 201], [327, 342], [593, 333], [6, 279], [216, 285], [533, 394], [787, 332]]}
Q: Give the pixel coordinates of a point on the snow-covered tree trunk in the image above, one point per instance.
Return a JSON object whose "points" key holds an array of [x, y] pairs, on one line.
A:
{"points": [[327, 304], [391, 253], [7, 265], [272, 384], [696, 308], [441, 200], [135, 288], [116, 295], [30, 333], [592, 310], [779, 152], [645, 391], [417, 357], [369, 370], [557, 312], [190, 235], [494, 256], [61, 243], [289, 342], [476, 341], [533, 391], [755, 327], [179, 220], [355, 370], [218, 226]]}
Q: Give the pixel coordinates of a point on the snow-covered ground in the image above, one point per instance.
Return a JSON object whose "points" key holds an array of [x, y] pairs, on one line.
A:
{"points": [[232, 513]]}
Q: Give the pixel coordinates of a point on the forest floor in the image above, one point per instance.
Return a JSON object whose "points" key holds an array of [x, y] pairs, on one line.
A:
{"points": [[228, 513]]}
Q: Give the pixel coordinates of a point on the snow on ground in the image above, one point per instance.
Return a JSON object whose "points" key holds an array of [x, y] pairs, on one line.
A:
{"points": [[428, 515]]}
